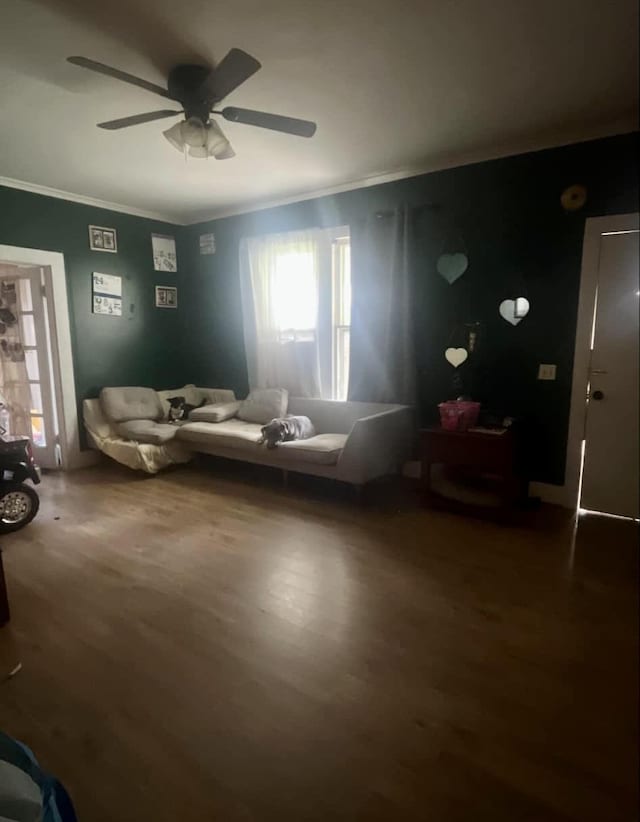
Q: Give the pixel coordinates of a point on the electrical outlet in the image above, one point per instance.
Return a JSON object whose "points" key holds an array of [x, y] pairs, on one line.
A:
{"points": [[546, 371]]}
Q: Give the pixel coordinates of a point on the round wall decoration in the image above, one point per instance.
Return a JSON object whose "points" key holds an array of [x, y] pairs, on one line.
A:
{"points": [[573, 198]]}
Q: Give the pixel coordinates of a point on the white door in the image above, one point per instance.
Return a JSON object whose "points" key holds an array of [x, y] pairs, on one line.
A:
{"points": [[26, 365], [610, 475]]}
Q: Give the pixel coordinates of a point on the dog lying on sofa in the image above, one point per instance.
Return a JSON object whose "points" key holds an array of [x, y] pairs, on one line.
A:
{"points": [[286, 429]]}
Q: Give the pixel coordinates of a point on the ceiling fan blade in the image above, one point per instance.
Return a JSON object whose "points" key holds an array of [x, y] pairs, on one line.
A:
{"points": [[276, 122], [231, 72], [136, 119], [101, 68]]}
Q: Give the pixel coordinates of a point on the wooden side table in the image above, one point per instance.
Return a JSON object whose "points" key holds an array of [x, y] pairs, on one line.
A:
{"points": [[492, 454]]}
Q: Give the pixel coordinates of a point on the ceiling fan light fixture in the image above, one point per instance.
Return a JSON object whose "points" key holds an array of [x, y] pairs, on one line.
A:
{"points": [[174, 136], [217, 144], [196, 139], [225, 154], [193, 132]]}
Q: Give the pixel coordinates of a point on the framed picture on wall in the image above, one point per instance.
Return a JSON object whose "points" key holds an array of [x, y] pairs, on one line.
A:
{"points": [[103, 239], [207, 244], [166, 296], [164, 253], [107, 294]]}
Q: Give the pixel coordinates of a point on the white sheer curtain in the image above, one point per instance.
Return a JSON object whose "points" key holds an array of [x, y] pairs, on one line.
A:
{"points": [[280, 280]]}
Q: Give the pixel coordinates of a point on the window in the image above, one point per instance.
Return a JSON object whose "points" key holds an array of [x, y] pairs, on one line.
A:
{"points": [[297, 311], [295, 295]]}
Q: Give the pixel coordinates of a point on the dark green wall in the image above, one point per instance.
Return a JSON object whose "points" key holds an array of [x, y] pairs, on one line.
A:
{"points": [[143, 346], [520, 242]]}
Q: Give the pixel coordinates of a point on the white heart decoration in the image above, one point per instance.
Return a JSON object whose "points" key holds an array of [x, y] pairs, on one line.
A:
{"points": [[514, 310], [456, 356]]}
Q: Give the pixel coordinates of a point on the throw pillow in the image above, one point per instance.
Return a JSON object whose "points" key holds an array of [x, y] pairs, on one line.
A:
{"points": [[264, 404]]}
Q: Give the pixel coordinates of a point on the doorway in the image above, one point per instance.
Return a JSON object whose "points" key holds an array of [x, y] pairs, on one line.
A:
{"points": [[36, 367], [27, 387], [603, 450]]}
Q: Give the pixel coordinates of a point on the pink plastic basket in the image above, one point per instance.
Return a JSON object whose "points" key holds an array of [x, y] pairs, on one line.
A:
{"points": [[458, 415]]}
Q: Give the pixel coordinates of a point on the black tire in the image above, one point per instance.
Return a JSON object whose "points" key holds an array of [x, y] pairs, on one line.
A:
{"points": [[31, 505]]}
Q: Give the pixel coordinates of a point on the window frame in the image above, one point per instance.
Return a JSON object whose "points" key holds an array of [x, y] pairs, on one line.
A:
{"points": [[325, 331], [327, 237]]}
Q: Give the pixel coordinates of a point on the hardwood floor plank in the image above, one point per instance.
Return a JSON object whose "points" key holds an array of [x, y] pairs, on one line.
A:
{"points": [[207, 645]]}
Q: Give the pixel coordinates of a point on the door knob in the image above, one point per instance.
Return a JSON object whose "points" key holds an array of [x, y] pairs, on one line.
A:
{"points": [[597, 395]]}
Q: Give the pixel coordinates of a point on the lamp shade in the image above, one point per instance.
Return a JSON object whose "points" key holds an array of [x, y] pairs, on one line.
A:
{"points": [[199, 139], [174, 136], [193, 132]]}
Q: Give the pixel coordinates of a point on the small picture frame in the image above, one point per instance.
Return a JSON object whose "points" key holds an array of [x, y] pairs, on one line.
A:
{"points": [[207, 244], [164, 253], [107, 294], [166, 296], [103, 239]]}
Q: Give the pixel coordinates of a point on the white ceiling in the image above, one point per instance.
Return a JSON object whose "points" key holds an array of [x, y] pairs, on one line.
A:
{"points": [[394, 87]]}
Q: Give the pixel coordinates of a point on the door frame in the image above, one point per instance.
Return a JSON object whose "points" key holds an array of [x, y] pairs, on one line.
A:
{"points": [[595, 227], [61, 354]]}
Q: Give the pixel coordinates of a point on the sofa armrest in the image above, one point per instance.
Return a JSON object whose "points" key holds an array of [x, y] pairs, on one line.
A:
{"points": [[98, 426], [377, 445]]}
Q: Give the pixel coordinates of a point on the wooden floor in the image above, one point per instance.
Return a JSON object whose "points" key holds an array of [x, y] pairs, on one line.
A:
{"points": [[205, 645]]}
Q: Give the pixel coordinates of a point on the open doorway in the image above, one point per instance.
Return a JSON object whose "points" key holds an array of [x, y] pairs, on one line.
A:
{"points": [[36, 367], [603, 463], [27, 387]]}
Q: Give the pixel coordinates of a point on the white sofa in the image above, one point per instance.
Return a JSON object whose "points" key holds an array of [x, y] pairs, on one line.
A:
{"points": [[355, 442]]}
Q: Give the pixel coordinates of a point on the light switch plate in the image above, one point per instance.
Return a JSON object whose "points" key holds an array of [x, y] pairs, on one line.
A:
{"points": [[546, 371]]}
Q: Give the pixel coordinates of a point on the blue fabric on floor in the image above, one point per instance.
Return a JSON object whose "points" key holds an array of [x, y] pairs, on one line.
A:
{"points": [[56, 803]]}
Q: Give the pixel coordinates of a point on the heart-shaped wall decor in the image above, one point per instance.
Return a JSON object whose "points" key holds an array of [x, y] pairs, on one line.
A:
{"points": [[514, 310], [452, 266], [456, 356]]}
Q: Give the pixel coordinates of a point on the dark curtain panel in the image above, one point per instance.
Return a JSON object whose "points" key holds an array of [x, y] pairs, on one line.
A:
{"points": [[382, 359]]}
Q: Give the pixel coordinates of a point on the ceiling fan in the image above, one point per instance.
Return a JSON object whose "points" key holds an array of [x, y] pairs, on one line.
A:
{"points": [[198, 89]]}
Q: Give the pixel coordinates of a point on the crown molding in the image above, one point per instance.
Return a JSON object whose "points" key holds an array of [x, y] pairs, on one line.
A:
{"points": [[47, 191], [547, 140], [557, 139]]}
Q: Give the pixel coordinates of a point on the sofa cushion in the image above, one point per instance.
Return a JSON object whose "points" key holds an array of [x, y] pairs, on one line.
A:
{"points": [[147, 431], [217, 412], [231, 433], [131, 403], [264, 404], [323, 449]]}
